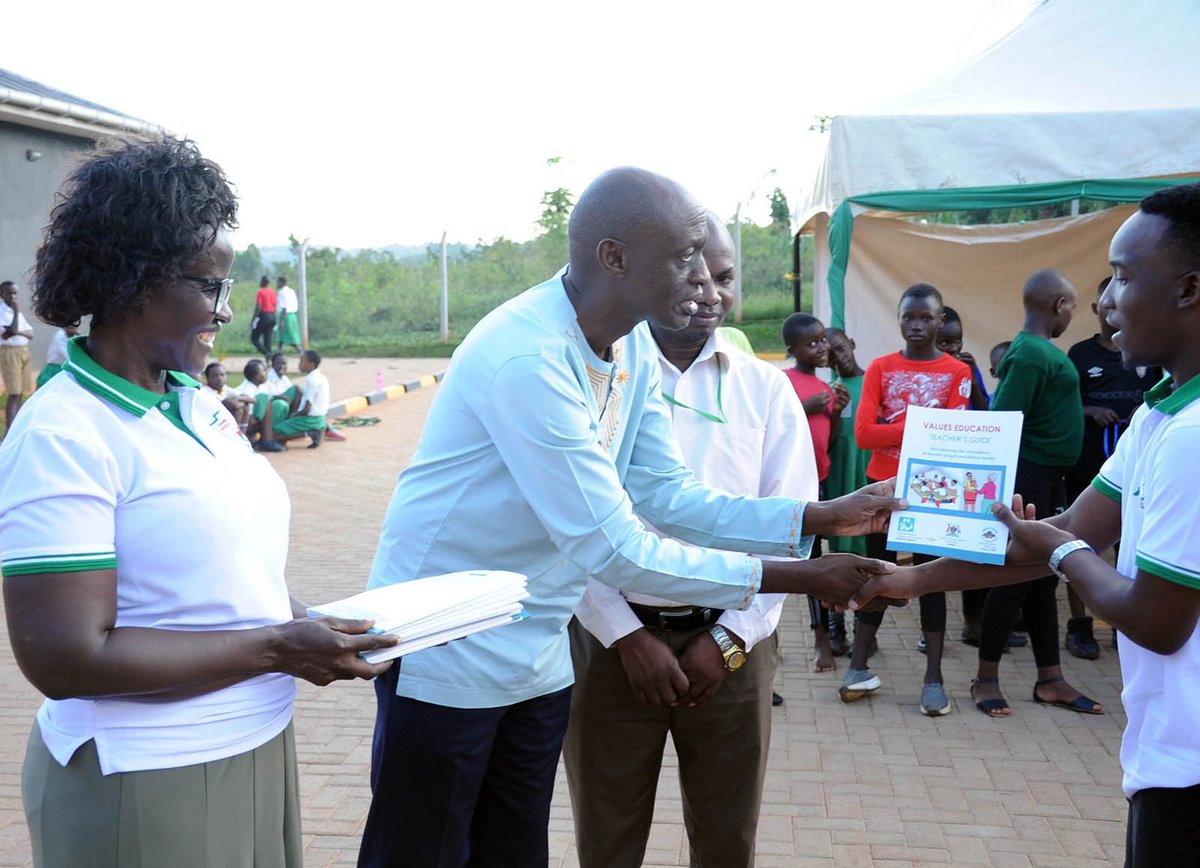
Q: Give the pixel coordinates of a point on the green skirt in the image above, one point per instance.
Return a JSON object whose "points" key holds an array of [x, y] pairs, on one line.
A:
{"points": [[288, 330], [240, 812]]}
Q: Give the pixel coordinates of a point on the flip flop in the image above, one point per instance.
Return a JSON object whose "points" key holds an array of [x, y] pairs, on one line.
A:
{"points": [[990, 707], [1081, 703], [829, 668]]}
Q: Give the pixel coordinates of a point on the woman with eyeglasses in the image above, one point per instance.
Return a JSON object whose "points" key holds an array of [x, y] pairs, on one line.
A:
{"points": [[145, 597]]}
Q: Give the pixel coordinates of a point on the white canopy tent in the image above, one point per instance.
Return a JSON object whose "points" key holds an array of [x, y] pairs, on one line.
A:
{"points": [[1082, 100]]}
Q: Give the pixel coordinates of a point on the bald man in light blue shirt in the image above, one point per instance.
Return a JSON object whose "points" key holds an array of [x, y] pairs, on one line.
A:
{"points": [[548, 437]]}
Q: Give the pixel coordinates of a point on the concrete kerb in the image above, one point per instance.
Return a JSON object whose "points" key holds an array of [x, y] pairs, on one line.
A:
{"points": [[358, 403]]}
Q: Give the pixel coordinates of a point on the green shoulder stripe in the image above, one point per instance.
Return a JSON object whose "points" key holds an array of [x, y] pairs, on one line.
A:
{"points": [[1106, 488], [58, 564], [1168, 572]]}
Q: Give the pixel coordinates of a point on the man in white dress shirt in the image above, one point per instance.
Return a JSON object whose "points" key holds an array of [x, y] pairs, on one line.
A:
{"points": [[646, 666]]}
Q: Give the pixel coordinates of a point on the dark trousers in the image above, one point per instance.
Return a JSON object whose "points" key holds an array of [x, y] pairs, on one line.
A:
{"points": [[1045, 487], [933, 604], [263, 332], [1162, 831], [455, 787]]}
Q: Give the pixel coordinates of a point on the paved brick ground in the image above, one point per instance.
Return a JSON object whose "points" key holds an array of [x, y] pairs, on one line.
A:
{"points": [[871, 783]]}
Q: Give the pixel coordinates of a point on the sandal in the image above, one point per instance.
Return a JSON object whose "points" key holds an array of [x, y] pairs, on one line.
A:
{"points": [[990, 707], [1081, 703]]}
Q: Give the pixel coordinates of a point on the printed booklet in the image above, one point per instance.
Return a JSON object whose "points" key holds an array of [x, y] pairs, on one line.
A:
{"points": [[954, 464]]}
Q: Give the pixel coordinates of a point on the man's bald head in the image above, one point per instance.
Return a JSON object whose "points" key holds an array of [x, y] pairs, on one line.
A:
{"points": [[1044, 288], [626, 205]]}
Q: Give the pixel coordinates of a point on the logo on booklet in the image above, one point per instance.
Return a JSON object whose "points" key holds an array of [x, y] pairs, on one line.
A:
{"points": [[988, 534], [953, 531], [907, 523]]}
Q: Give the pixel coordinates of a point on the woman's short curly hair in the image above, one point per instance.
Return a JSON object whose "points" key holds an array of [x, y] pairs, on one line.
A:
{"points": [[126, 222]]}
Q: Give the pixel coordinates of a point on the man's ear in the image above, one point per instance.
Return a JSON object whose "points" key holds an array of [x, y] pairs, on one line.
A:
{"points": [[1189, 291], [610, 254], [1058, 304]]}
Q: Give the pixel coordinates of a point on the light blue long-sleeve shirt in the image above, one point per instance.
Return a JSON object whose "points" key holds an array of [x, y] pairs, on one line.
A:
{"points": [[534, 458]]}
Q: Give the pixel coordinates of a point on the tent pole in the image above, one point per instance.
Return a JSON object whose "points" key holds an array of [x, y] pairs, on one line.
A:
{"points": [[796, 276]]}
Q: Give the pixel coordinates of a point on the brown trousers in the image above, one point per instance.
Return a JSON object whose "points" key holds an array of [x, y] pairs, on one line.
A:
{"points": [[614, 748]]}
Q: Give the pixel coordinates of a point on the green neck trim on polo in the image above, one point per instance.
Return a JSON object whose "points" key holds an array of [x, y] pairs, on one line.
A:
{"points": [[1167, 398], [121, 392]]}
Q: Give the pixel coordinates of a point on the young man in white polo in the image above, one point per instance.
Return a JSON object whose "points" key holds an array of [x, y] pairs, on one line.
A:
{"points": [[1145, 496]]}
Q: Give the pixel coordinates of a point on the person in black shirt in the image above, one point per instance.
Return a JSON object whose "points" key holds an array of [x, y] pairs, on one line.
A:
{"points": [[1110, 393]]}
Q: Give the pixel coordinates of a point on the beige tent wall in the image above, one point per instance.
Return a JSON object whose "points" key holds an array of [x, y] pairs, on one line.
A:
{"points": [[979, 269]]}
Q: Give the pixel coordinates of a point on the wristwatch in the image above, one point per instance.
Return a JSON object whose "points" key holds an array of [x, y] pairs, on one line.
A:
{"points": [[732, 652], [1056, 556]]}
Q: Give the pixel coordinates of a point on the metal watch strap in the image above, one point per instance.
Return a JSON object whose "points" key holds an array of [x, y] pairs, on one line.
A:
{"points": [[722, 638], [1069, 547]]}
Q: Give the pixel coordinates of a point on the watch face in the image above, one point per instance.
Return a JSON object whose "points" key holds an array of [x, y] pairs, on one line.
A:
{"points": [[735, 660]]}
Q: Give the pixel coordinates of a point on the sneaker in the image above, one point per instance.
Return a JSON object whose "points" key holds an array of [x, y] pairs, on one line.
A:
{"points": [[270, 446], [934, 701], [857, 684], [1080, 641], [921, 646], [776, 699], [334, 435]]}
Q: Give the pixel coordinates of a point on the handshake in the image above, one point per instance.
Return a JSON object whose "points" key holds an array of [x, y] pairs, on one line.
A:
{"points": [[842, 580]]}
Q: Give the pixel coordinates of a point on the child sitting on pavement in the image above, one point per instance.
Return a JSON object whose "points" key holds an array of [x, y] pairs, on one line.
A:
{"points": [[304, 414], [241, 406]]}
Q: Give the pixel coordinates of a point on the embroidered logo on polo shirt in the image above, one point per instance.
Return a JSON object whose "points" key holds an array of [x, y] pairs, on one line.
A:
{"points": [[1095, 371]]}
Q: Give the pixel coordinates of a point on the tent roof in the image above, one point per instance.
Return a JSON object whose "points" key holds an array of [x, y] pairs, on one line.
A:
{"points": [[1083, 89]]}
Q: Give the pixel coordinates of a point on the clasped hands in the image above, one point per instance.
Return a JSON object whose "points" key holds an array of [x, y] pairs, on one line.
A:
{"points": [[1030, 541]]}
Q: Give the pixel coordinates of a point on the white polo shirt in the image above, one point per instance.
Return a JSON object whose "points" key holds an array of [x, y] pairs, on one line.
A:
{"points": [[316, 393], [98, 473], [286, 300], [246, 389], [275, 384], [1149, 476]]}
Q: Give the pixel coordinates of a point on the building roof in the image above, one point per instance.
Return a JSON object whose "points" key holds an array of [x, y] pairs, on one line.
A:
{"points": [[27, 102]]}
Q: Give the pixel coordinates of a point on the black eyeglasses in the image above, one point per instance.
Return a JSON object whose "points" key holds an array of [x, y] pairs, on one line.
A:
{"points": [[215, 287]]}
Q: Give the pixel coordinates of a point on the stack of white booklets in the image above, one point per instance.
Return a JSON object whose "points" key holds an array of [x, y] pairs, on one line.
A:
{"points": [[434, 610]]}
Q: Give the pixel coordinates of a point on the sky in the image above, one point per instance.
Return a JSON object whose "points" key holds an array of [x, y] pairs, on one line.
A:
{"points": [[365, 124]]}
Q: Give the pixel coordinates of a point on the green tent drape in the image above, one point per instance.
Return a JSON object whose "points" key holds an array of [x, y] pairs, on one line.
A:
{"points": [[969, 199]]}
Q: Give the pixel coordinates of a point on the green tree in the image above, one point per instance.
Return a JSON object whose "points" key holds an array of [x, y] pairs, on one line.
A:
{"points": [[556, 211], [248, 266], [781, 214]]}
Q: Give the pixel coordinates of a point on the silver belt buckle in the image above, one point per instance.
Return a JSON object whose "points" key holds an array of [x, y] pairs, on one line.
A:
{"points": [[665, 618]]}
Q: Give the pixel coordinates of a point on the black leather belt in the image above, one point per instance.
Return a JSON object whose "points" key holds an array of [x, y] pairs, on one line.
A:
{"points": [[677, 618]]}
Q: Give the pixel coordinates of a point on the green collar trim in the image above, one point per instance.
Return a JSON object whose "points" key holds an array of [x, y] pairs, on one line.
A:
{"points": [[126, 395], [1166, 398]]}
